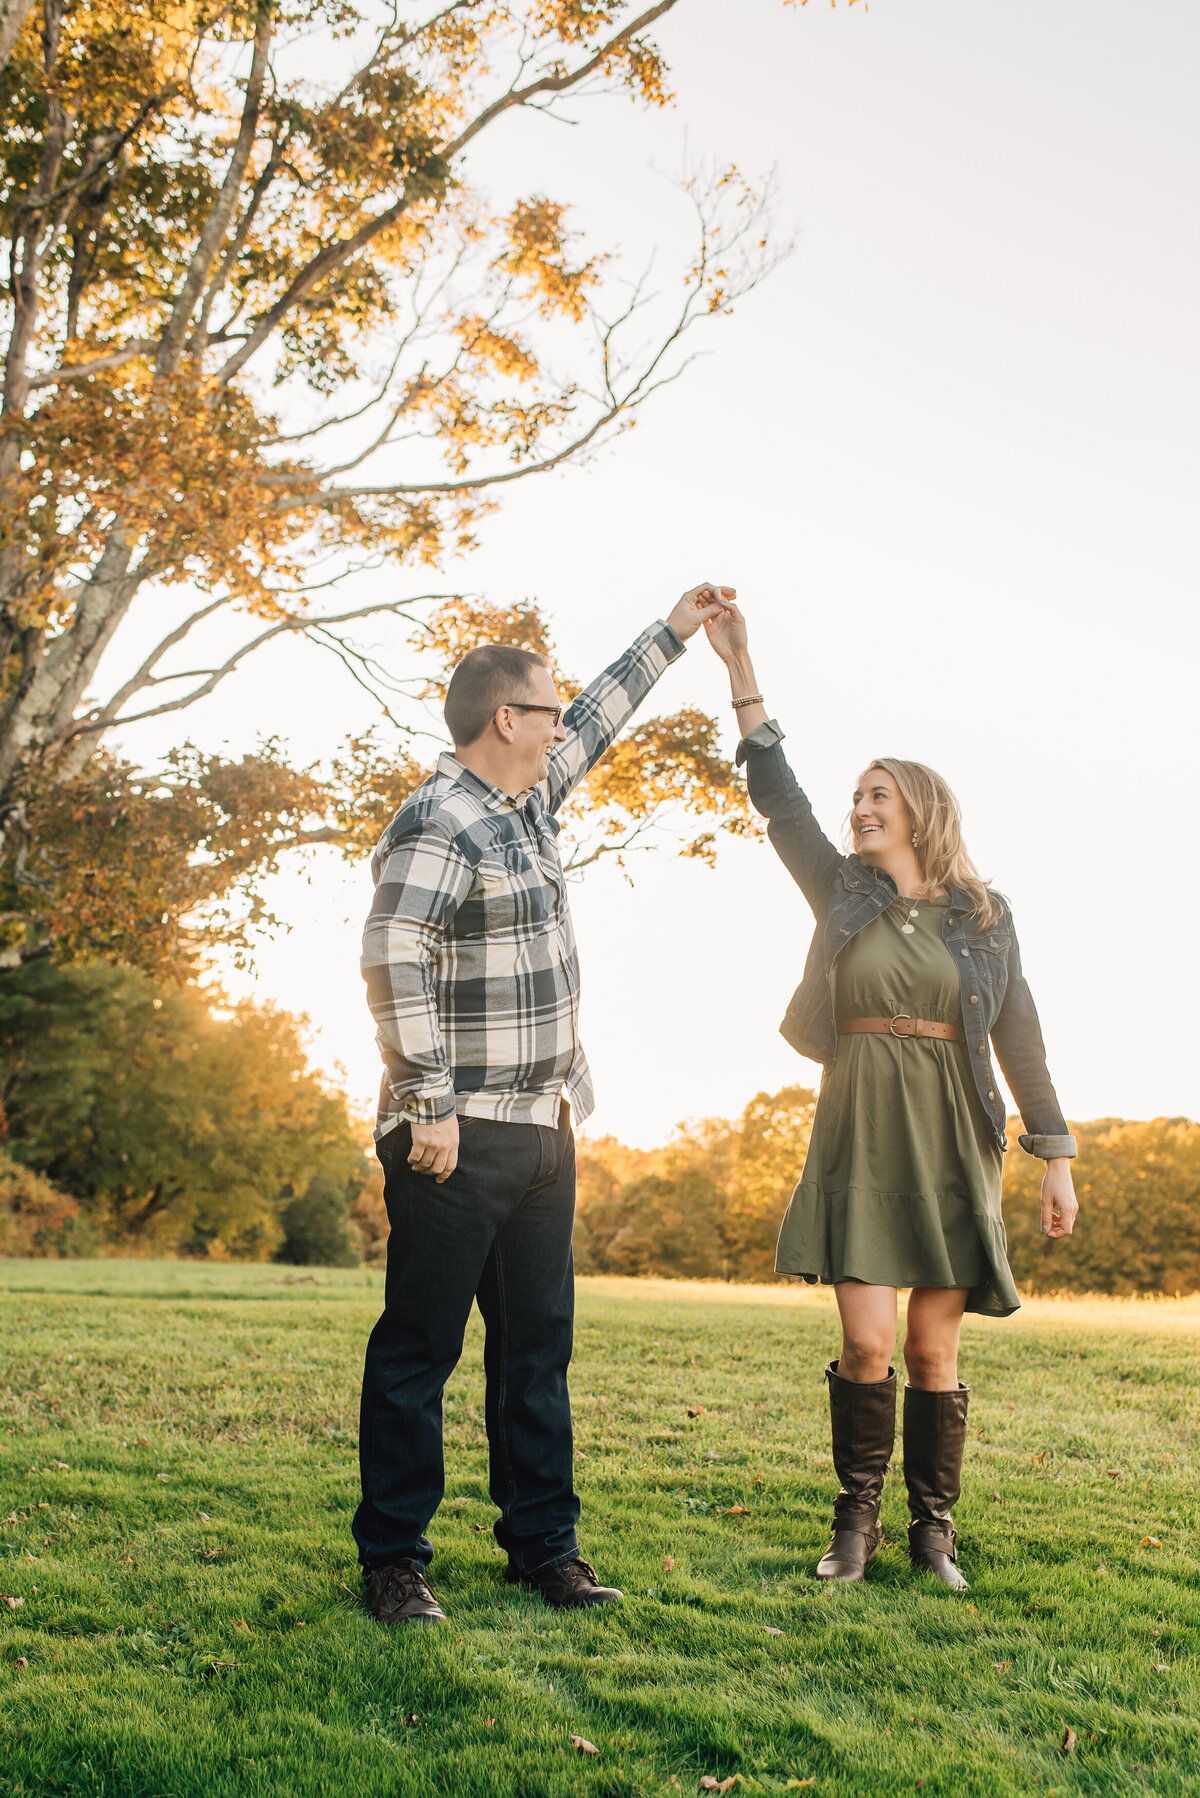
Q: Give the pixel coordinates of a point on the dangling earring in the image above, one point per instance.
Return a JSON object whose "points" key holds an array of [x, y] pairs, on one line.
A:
{"points": [[914, 839]]}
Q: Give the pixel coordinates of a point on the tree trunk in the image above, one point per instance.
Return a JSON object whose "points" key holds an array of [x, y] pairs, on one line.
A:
{"points": [[13, 14]]}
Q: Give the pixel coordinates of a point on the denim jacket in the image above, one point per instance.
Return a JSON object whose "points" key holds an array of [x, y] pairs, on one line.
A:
{"points": [[846, 894]]}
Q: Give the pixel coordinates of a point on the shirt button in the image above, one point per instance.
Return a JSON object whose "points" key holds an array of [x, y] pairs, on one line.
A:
{"points": [[974, 998]]}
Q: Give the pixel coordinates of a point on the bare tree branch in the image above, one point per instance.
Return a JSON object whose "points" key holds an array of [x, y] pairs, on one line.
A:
{"points": [[103, 718], [217, 224], [81, 371], [336, 255]]}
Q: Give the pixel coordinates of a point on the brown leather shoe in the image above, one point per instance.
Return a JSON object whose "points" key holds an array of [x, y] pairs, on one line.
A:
{"points": [[567, 1586], [399, 1594]]}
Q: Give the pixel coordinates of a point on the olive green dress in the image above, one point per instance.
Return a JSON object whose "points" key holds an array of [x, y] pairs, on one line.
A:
{"points": [[901, 1184]]}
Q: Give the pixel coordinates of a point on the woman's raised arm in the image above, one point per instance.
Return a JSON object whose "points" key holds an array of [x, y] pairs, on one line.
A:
{"points": [[798, 840]]}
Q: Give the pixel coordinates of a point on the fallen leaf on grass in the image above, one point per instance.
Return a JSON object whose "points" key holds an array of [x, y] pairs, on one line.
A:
{"points": [[973, 1607], [1161, 1667], [20, 1661], [14, 1604], [1114, 1473], [1068, 1741], [738, 1511], [163, 1478], [770, 1630], [995, 1496], [1151, 1542], [1040, 1457], [410, 1719], [709, 1784], [697, 1410], [669, 1564], [1102, 1570], [489, 1723], [1002, 1666], [204, 1516], [583, 1746], [242, 1624]]}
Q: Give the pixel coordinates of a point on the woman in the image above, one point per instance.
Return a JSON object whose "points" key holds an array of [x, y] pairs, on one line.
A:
{"points": [[913, 966]]}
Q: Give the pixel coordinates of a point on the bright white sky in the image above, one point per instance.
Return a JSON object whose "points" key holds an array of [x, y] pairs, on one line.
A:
{"points": [[947, 455]]}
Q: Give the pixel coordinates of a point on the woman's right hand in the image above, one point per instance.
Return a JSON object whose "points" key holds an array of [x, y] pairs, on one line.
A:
{"points": [[727, 633]]}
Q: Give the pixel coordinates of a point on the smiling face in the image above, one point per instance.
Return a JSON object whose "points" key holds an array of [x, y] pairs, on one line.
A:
{"points": [[880, 820], [534, 733]]}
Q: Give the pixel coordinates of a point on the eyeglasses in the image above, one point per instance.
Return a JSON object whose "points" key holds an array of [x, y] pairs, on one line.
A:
{"points": [[551, 711]]}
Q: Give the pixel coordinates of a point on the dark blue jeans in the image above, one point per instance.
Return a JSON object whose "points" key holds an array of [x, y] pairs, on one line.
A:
{"points": [[498, 1230]]}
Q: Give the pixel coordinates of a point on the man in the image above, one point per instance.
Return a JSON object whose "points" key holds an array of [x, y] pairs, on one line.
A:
{"points": [[472, 976]]}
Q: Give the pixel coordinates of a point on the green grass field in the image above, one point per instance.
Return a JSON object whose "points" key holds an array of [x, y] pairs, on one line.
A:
{"points": [[182, 1615]]}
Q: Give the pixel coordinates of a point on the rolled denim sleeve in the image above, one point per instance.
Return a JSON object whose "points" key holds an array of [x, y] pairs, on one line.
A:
{"points": [[796, 837], [1017, 1039]]}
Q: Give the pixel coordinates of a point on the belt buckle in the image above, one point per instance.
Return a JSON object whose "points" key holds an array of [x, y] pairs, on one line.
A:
{"points": [[892, 1022]]}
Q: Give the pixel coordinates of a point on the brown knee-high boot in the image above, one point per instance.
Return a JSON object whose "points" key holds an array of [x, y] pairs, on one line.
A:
{"points": [[935, 1433], [863, 1420]]}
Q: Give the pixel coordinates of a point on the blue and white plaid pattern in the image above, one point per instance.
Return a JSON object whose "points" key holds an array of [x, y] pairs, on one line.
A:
{"points": [[468, 953]]}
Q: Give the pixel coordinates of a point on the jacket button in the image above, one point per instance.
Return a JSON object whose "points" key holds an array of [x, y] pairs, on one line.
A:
{"points": [[982, 1049], [991, 1095], [974, 998], [964, 952]]}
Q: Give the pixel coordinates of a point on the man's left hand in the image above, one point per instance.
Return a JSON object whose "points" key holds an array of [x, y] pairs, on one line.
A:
{"points": [[698, 605]]}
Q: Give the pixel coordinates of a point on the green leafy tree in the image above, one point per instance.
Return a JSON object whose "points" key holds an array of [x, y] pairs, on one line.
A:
{"points": [[176, 1127]]}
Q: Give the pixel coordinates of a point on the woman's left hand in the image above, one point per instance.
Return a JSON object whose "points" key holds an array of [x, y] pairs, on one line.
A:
{"points": [[1059, 1204]]}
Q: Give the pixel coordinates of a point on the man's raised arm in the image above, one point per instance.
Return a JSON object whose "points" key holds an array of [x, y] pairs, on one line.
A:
{"points": [[609, 702]]}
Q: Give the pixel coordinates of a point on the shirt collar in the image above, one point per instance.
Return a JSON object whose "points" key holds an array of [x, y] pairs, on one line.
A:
{"points": [[492, 797]]}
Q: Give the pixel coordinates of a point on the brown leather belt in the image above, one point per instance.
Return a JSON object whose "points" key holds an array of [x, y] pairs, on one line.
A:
{"points": [[901, 1025]]}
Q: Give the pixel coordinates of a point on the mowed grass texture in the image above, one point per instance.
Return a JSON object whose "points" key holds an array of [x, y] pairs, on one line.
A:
{"points": [[178, 1457]]}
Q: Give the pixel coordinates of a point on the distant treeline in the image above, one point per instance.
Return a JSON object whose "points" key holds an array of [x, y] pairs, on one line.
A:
{"points": [[709, 1204], [141, 1119]]}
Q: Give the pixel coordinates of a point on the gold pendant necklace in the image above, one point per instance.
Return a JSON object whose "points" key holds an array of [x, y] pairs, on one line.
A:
{"points": [[908, 927]]}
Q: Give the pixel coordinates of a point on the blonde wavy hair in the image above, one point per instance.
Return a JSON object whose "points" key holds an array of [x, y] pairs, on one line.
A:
{"points": [[937, 820]]}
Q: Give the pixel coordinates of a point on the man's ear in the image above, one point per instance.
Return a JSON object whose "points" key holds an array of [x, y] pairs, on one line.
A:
{"points": [[503, 723]]}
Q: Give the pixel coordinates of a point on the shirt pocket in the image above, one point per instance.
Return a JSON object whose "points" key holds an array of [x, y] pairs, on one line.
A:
{"points": [[512, 890]]}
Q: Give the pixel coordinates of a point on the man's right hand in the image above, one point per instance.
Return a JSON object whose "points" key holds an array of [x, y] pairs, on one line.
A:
{"points": [[435, 1148]]}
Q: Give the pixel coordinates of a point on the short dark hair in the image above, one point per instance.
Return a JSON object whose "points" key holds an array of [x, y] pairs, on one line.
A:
{"points": [[489, 677]]}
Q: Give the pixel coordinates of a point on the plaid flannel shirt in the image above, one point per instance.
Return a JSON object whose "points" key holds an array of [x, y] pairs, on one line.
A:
{"points": [[468, 953]]}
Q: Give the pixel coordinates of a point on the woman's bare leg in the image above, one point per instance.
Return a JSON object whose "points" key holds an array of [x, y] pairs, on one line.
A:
{"points": [[868, 1330], [935, 1315]]}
